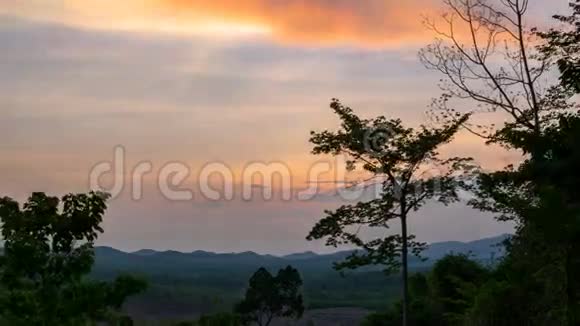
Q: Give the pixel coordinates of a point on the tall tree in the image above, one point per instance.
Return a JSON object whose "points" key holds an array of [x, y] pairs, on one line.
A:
{"points": [[486, 52], [268, 297], [564, 46], [497, 65], [401, 159], [561, 179], [542, 197], [48, 251]]}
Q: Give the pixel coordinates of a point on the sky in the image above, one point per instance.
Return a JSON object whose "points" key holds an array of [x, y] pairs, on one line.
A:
{"points": [[225, 82]]}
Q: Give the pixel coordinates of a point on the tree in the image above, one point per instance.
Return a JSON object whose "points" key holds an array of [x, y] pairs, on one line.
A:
{"points": [[442, 297], [497, 67], [48, 251], [269, 297], [498, 303], [422, 308], [547, 241], [564, 46], [401, 159], [485, 52], [454, 282]]}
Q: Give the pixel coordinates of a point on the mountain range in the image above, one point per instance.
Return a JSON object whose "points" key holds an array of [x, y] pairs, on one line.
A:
{"points": [[184, 285], [481, 250]]}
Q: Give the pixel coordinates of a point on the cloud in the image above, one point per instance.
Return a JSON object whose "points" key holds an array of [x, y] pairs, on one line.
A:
{"points": [[69, 95], [376, 23], [319, 21]]}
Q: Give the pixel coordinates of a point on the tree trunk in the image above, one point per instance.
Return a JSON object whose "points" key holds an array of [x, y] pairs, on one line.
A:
{"points": [[570, 298], [405, 270]]}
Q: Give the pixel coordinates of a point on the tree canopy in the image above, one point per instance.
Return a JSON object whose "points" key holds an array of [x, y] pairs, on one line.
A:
{"points": [[269, 297], [406, 164], [48, 252]]}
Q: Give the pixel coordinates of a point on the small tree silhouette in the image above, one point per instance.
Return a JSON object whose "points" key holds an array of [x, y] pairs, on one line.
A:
{"points": [[269, 297]]}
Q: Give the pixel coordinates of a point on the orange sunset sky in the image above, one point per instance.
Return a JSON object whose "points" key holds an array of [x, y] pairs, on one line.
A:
{"points": [[226, 81]]}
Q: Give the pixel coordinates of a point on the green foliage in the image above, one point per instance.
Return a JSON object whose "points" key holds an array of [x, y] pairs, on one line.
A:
{"points": [[421, 312], [498, 303], [538, 279], [454, 282], [422, 307], [48, 250], [564, 46], [541, 196], [455, 292], [269, 297]]}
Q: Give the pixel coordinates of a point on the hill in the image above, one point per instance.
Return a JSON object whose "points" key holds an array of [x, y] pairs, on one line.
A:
{"points": [[186, 284]]}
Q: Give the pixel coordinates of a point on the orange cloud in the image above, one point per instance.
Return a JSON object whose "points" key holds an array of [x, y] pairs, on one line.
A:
{"points": [[368, 22], [376, 23]]}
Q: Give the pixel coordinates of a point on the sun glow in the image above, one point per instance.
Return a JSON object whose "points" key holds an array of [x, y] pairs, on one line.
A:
{"points": [[380, 23], [227, 28], [152, 16]]}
